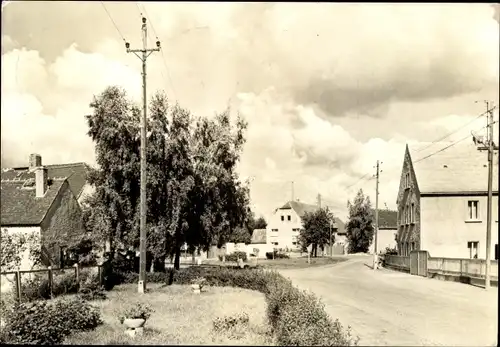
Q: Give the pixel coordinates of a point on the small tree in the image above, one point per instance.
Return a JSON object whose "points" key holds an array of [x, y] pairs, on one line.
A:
{"points": [[360, 228], [316, 229], [14, 247], [260, 223]]}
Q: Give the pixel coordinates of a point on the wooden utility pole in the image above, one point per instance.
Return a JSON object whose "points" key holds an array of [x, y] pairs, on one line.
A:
{"points": [[489, 146], [375, 263], [293, 197], [319, 200], [145, 53]]}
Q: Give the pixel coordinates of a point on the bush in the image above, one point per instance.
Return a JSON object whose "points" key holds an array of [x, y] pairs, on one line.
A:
{"points": [[37, 287], [43, 322], [236, 255], [277, 255]]}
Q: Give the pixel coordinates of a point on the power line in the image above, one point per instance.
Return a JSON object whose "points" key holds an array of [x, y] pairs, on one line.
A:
{"points": [[112, 21], [451, 133]]}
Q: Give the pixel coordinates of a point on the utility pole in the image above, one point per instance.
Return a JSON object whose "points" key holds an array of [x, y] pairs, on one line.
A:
{"points": [[319, 200], [490, 147], [145, 53], [376, 218], [292, 193]]}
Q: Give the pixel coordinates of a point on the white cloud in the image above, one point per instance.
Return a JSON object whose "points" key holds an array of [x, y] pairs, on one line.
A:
{"points": [[327, 89]]}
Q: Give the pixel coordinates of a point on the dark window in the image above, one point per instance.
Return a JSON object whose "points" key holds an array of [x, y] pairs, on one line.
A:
{"points": [[496, 251], [289, 218], [282, 218]]}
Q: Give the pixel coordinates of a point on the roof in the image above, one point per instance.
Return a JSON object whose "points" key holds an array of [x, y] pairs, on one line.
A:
{"points": [[459, 168], [340, 226], [387, 219], [258, 236], [76, 174], [299, 207], [20, 206]]}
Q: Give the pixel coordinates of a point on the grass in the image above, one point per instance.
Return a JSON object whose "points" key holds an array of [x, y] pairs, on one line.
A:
{"points": [[290, 263], [181, 317]]}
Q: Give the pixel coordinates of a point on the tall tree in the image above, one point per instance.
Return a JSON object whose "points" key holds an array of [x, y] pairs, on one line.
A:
{"points": [[114, 129], [316, 229], [359, 227]]}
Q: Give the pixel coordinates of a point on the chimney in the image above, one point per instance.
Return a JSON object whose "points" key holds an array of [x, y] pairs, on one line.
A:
{"points": [[35, 161], [41, 181]]}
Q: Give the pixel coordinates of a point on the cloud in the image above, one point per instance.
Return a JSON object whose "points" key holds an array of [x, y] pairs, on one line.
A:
{"points": [[327, 89]]}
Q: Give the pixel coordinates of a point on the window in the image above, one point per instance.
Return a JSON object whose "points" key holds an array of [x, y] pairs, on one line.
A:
{"points": [[496, 251], [289, 218], [282, 218], [274, 230], [294, 243], [275, 243], [296, 230], [413, 246], [407, 180], [472, 210], [412, 213], [473, 247]]}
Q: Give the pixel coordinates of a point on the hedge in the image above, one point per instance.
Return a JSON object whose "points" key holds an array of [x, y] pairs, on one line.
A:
{"points": [[296, 317], [48, 322]]}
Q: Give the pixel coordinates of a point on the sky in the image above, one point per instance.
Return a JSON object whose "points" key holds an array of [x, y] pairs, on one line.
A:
{"points": [[327, 89]]}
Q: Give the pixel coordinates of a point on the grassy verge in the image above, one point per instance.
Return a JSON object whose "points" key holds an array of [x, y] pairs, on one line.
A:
{"points": [[295, 317], [181, 317]]}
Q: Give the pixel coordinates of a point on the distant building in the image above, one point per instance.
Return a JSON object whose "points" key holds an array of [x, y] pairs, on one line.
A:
{"points": [[387, 230], [285, 224], [33, 203], [442, 202]]}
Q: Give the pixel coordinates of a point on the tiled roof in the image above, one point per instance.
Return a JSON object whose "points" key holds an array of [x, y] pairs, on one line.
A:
{"points": [[459, 168], [299, 207], [340, 226], [258, 236], [20, 206], [76, 173], [387, 219]]}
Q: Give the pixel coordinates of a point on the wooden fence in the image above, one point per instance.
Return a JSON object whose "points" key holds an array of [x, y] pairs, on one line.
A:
{"points": [[50, 276], [430, 266]]}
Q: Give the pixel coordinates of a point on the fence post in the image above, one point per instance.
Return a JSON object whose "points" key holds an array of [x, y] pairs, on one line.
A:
{"points": [[50, 281], [18, 285], [77, 276], [99, 271]]}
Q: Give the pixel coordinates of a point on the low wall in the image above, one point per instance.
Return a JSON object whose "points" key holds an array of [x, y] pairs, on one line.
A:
{"points": [[470, 271], [475, 268]]}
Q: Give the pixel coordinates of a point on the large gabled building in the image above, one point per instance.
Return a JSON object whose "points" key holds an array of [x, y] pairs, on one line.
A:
{"points": [[442, 201]]}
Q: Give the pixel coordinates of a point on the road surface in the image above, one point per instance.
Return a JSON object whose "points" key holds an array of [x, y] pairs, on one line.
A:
{"points": [[386, 307]]}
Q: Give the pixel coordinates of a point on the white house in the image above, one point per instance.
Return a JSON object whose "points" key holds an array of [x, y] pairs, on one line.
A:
{"points": [[285, 223], [442, 202]]}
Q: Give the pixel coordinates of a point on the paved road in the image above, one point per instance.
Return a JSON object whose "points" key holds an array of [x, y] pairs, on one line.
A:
{"points": [[386, 307]]}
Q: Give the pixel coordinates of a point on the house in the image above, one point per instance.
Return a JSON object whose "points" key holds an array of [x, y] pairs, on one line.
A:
{"points": [[75, 173], [33, 203], [442, 202], [387, 230], [285, 224]]}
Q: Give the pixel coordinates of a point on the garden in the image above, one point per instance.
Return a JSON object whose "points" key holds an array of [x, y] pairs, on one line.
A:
{"points": [[195, 305]]}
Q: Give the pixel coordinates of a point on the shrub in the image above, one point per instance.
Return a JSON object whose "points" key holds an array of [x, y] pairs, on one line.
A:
{"points": [[236, 255], [44, 322], [136, 311], [229, 322], [277, 255]]}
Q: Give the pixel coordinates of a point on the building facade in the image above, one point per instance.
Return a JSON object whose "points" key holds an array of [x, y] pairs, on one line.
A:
{"points": [[442, 202]]}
